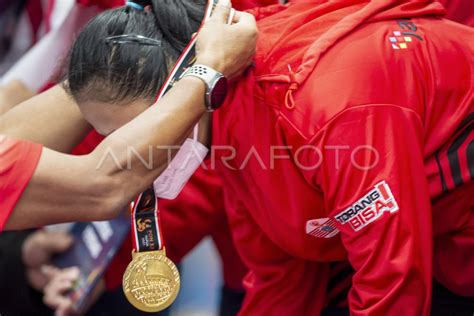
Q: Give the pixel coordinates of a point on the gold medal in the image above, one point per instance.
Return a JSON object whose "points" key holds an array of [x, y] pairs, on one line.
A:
{"points": [[151, 281]]}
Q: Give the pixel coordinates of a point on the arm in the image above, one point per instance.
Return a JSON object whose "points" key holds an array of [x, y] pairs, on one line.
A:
{"points": [[51, 118], [99, 185], [387, 236], [12, 94]]}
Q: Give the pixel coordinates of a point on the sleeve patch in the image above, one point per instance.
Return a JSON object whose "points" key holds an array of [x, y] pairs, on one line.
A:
{"points": [[369, 208]]}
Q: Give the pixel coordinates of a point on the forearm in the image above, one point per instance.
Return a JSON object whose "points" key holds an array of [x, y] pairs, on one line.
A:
{"points": [[51, 118], [99, 185], [135, 155]]}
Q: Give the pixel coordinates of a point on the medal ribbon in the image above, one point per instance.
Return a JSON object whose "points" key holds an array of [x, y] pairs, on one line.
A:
{"points": [[146, 226]]}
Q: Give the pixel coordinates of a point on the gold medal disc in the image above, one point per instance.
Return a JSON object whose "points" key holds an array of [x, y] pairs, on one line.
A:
{"points": [[151, 281]]}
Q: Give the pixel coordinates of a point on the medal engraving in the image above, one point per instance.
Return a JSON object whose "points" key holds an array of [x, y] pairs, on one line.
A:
{"points": [[151, 281]]}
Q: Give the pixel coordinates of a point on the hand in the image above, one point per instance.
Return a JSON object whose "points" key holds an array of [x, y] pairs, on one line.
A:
{"points": [[55, 293], [37, 251], [226, 48]]}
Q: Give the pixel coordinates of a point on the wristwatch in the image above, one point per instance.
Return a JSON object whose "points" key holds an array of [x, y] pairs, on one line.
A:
{"points": [[216, 85]]}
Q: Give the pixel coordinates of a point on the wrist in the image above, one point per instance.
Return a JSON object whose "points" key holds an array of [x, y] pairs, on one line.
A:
{"points": [[194, 84]]}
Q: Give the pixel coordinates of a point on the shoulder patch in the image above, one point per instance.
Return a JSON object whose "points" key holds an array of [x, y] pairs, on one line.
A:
{"points": [[369, 207]]}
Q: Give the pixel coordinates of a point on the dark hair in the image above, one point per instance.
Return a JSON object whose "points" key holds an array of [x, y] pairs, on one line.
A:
{"points": [[125, 72]]}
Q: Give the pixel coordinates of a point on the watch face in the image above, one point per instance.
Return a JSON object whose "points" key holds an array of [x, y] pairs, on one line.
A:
{"points": [[219, 92]]}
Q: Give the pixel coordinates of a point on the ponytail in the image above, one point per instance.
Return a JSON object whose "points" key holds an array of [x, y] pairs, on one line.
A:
{"points": [[119, 73]]}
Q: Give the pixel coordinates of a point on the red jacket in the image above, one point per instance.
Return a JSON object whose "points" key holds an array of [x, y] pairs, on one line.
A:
{"points": [[342, 141]]}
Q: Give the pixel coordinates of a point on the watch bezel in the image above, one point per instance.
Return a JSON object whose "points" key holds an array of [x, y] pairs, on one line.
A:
{"points": [[210, 105]]}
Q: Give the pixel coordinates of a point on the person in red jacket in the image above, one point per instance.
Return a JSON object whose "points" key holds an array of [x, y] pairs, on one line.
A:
{"points": [[352, 138], [347, 140]]}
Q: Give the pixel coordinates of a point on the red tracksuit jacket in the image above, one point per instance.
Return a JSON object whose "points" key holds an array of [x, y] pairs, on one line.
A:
{"points": [[352, 138]]}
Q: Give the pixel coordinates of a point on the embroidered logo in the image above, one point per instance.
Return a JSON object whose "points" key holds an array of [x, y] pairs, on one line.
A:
{"points": [[403, 38], [369, 208], [321, 228], [399, 41]]}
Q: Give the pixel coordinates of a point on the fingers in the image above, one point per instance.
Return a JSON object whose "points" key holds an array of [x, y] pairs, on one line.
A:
{"points": [[56, 242], [36, 279], [244, 18], [221, 11], [71, 273], [54, 296], [55, 292], [49, 271], [230, 19], [65, 310], [39, 246], [227, 48]]}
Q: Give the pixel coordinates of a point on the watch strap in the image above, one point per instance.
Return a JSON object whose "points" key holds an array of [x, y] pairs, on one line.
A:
{"points": [[209, 76]]}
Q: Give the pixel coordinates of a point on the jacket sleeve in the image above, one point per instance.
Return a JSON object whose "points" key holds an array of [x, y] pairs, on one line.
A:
{"points": [[372, 177]]}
